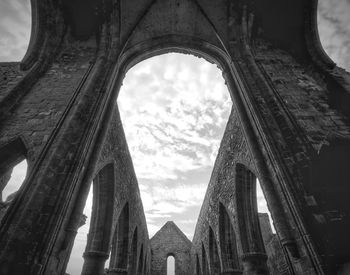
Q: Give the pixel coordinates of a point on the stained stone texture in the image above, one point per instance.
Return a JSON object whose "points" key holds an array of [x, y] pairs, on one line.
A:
{"points": [[10, 75], [289, 127], [170, 241], [220, 204]]}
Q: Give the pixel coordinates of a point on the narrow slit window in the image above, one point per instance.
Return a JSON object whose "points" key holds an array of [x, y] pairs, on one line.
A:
{"points": [[171, 265]]}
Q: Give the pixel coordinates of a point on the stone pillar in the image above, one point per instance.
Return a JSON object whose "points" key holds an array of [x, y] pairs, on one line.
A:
{"points": [[117, 271], [98, 242], [94, 262], [71, 233], [254, 264]]}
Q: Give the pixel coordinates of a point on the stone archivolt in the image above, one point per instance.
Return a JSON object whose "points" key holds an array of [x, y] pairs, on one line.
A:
{"points": [[289, 127]]}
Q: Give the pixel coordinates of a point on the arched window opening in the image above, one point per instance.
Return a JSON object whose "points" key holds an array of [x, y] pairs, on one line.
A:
{"points": [[15, 41], [247, 212], [214, 254], [276, 261], [248, 221], [13, 171], [227, 241], [10, 183], [263, 209], [120, 244], [132, 265], [170, 264], [99, 203], [256, 233], [174, 108], [205, 266]]}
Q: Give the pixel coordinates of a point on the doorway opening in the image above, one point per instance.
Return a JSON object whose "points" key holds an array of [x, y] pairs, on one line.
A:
{"points": [[170, 263]]}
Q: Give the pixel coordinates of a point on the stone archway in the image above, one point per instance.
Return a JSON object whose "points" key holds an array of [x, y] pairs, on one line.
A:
{"points": [[81, 78], [120, 244], [99, 237], [228, 244], [254, 256]]}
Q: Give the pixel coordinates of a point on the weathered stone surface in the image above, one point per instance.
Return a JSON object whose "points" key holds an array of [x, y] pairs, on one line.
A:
{"points": [[289, 127], [276, 261], [10, 75], [170, 241]]}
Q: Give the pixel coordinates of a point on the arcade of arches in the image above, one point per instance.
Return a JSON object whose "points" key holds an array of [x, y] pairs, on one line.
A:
{"points": [[289, 127]]}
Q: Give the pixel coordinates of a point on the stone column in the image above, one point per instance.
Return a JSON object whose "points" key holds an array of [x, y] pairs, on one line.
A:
{"points": [[97, 248], [254, 263], [254, 258], [69, 242], [35, 230], [94, 262]]}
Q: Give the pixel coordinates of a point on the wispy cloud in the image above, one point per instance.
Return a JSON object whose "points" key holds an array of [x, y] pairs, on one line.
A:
{"points": [[171, 118], [174, 110]]}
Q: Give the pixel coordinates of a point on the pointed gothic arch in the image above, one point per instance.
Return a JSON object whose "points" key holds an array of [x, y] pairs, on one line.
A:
{"points": [[228, 244], [72, 148], [120, 244], [248, 221], [99, 237]]}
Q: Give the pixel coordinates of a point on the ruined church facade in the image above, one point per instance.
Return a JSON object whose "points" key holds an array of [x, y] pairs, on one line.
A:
{"points": [[289, 127]]}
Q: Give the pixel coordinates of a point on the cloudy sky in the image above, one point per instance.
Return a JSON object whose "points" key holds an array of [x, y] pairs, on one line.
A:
{"points": [[174, 108]]}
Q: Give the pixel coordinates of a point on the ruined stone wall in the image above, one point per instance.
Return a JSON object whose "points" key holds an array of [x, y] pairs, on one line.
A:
{"points": [[293, 117], [38, 113], [306, 95], [314, 141], [115, 150], [170, 241], [10, 75], [276, 260], [221, 187]]}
